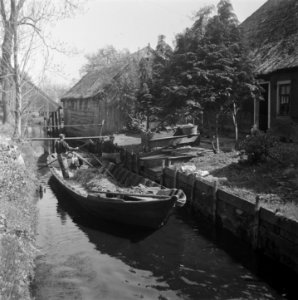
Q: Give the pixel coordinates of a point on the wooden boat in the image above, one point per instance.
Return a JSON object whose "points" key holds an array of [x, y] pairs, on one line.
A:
{"points": [[146, 210], [174, 141]]}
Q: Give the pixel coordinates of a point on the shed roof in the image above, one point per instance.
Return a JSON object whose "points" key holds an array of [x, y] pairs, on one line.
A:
{"points": [[38, 100], [94, 82], [271, 34]]}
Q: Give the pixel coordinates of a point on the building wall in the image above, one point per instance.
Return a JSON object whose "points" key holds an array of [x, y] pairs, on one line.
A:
{"points": [[283, 126], [86, 115], [277, 78]]}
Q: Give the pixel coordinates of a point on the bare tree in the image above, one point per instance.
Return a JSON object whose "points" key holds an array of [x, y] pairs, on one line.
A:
{"points": [[6, 69], [22, 25]]}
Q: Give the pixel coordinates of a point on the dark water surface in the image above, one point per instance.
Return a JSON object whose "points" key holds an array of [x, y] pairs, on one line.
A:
{"points": [[84, 259]]}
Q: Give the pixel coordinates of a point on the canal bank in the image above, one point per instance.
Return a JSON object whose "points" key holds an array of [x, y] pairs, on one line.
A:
{"points": [[265, 231], [18, 218], [84, 258]]}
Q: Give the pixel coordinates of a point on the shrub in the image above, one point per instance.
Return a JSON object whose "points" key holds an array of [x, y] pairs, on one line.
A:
{"points": [[134, 125], [258, 146], [285, 129]]}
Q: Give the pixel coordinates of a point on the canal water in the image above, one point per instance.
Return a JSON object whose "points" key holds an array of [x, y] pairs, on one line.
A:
{"points": [[83, 259]]}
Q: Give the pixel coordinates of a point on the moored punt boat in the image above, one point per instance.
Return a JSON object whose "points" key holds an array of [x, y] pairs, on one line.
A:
{"points": [[148, 208]]}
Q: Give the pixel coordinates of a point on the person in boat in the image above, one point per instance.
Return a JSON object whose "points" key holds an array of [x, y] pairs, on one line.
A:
{"points": [[61, 148], [110, 150], [75, 162]]}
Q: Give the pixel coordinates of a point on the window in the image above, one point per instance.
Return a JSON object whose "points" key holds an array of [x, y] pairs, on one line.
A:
{"points": [[284, 91]]}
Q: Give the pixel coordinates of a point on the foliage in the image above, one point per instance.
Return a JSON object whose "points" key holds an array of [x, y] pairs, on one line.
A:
{"points": [[107, 57], [284, 128], [54, 90], [209, 67], [135, 125], [259, 147], [151, 72], [23, 36], [18, 223]]}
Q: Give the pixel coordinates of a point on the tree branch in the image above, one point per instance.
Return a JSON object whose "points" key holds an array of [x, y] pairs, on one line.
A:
{"points": [[2, 11], [20, 5]]}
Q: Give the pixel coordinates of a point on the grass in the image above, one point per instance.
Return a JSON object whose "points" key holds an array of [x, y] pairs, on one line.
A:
{"points": [[276, 183]]}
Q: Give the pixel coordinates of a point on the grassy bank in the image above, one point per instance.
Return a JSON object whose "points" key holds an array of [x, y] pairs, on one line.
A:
{"points": [[276, 182], [18, 218]]}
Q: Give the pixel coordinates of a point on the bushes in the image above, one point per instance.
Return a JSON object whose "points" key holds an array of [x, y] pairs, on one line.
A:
{"points": [[258, 147], [18, 218], [285, 129], [134, 125]]}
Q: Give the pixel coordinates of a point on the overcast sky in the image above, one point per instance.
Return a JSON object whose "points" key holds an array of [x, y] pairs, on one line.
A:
{"points": [[130, 24]]}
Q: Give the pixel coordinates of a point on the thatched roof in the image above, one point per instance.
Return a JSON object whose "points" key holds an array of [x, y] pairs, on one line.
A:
{"points": [[272, 35], [95, 82], [36, 99]]}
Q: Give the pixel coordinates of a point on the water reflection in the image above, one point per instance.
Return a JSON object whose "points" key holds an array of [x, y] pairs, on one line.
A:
{"points": [[100, 260]]}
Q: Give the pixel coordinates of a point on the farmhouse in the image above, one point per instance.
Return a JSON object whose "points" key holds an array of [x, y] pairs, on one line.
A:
{"points": [[271, 33], [96, 104]]}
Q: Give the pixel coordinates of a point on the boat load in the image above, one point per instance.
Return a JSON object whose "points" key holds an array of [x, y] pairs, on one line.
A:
{"points": [[111, 192]]}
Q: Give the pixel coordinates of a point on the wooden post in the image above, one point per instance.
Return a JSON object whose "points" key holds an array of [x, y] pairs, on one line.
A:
{"points": [[59, 119], [175, 178], [163, 165], [214, 198], [193, 188], [56, 122], [52, 124], [131, 165], [168, 162], [256, 224], [126, 158], [53, 146], [137, 163]]}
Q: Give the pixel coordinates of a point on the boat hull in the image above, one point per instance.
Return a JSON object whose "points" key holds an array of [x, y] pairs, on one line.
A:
{"points": [[137, 211]]}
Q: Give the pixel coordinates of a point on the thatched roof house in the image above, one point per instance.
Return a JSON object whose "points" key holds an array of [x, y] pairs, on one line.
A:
{"points": [[271, 34], [36, 101], [100, 95]]}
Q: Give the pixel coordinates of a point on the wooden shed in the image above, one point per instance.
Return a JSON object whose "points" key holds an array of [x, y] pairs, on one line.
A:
{"points": [[100, 96], [271, 34]]}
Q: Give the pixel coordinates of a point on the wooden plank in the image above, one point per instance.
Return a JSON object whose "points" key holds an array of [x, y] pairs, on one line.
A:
{"points": [[76, 125], [67, 138], [154, 196], [169, 138]]}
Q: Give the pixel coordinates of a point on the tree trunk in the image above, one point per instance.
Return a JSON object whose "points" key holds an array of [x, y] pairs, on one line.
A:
{"points": [[234, 116], [18, 99], [236, 128], [5, 100], [216, 132], [147, 122], [6, 70]]}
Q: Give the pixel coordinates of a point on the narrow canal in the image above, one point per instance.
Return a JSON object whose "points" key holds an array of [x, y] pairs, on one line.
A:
{"points": [[83, 259]]}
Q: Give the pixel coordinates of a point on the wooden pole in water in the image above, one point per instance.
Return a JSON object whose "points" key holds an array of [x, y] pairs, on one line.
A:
{"points": [[214, 198], [175, 178], [256, 224], [193, 188], [163, 165]]}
